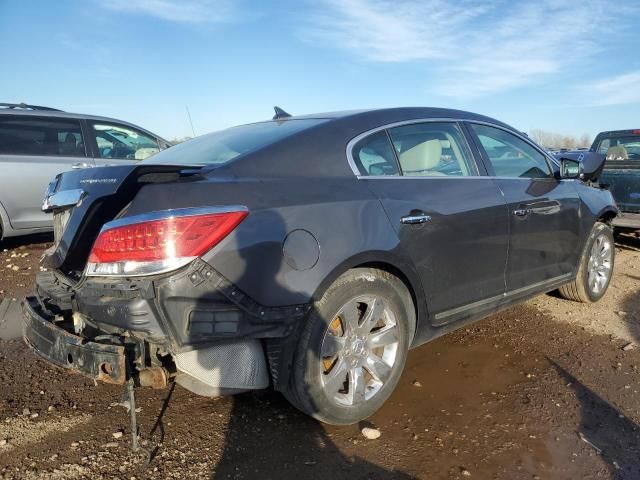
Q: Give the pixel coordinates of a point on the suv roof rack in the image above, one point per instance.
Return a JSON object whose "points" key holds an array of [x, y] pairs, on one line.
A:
{"points": [[24, 106]]}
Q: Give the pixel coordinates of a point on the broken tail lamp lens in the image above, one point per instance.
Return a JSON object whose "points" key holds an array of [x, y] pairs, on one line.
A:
{"points": [[159, 245]]}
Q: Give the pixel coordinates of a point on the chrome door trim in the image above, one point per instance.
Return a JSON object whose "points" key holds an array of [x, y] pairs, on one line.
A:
{"points": [[495, 299]]}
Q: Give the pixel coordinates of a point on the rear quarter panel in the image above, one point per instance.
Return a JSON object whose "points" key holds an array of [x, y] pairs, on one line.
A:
{"points": [[342, 221]]}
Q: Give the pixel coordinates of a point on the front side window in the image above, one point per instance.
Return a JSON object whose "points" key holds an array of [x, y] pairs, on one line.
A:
{"points": [[620, 147], [41, 136], [120, 142], [509, 155], [432, 149]]}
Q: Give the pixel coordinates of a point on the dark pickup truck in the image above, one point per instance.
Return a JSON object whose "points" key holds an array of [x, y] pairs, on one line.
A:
{"points": [[622, 173]]}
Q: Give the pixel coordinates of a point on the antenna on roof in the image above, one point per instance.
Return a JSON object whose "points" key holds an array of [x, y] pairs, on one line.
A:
{"points": [[280, 114], [190, 122]]}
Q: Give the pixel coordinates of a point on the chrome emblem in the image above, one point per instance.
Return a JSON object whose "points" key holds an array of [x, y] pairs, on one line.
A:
{"points": [[92, 181]]}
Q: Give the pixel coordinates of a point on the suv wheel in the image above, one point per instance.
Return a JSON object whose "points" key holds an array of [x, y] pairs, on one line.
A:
{"points": [[353, 348], [595, 269]]}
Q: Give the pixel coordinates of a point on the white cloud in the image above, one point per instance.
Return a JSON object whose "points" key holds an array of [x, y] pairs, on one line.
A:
{"points": [[182, 11], [469, 48], [390, 31], [619, 90]]}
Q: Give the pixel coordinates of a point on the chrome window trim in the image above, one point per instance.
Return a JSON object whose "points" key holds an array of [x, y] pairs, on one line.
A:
{"points": [[453, 177], [425, 177], [171, 213], [351, 144]]}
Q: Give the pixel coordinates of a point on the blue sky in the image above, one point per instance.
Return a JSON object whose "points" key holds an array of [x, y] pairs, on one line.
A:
{"points": [[569, 66]]}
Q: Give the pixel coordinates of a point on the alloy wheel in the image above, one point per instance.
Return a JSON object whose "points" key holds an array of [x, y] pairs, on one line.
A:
{"points": [[600, 263], [359, 350]]}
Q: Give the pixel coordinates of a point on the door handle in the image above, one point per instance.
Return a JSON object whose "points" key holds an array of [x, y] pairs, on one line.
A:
{"points": [[546, 207], [79, 165], [415, 219]]}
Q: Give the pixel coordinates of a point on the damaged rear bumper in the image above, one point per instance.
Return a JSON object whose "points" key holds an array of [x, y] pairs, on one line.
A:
{"points": [[192, 327], [100, 361]]}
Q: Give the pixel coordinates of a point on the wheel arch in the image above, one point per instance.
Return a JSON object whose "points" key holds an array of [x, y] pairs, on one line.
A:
{"points": [[5, 225], [389, 263], [607, 214]]}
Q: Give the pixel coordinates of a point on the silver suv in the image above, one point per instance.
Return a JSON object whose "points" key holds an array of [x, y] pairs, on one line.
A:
{"points": [[37, 143]]}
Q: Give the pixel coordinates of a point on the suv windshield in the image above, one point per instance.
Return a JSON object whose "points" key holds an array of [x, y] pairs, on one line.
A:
{"points": [[620, 147], [225, 145]]}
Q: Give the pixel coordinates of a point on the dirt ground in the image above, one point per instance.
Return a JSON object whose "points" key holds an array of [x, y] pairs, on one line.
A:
{"points": [[545, 390], [19, 263]]}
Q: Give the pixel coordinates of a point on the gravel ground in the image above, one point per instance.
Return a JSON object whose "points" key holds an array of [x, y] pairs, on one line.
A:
{"points": [[545, 390], [19, 262]]}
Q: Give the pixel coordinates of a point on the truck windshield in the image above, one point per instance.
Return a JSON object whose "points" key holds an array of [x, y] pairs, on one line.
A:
{"points": [[620, 147], [221, 147]]}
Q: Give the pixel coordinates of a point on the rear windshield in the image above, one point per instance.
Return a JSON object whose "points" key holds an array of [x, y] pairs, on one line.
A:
{"points": [[620, 147], [221, 147]]}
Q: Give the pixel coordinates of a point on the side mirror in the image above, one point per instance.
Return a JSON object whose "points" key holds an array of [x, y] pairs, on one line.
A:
{"points": [[590, 165], [570, 168]]}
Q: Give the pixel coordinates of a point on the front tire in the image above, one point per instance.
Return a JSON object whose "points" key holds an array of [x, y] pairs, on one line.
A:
{"points": [[595, 269], [351, 352]]}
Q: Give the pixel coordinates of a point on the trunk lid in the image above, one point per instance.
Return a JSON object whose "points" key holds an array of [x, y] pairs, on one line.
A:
{"points": [[83, 200]]}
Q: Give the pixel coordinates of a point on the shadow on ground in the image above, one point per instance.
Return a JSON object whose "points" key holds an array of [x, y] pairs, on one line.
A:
{"points": [[628, 241], [289, 445], [24, 240], [601, 424]]}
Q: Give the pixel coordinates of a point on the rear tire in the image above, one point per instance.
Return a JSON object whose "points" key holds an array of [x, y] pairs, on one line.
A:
{"points": [[595, 269], [352, 350]]}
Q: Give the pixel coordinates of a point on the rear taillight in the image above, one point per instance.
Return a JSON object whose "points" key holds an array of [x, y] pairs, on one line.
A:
{"points": [[160, 241]]}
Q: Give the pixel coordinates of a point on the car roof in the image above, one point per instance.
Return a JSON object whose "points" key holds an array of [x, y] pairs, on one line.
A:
{"points": [[323, 143], [399, 113], [76, 116]]}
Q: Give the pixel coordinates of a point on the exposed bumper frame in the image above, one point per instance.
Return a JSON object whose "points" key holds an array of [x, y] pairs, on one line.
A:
{"points": [[99, 361]]}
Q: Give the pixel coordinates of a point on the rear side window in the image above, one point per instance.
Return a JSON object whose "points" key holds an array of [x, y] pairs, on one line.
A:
{"points": [[122, 142], [221, 147], [41, 136], [620, 147], [432, 149], [511, 156], [374, 156]]}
